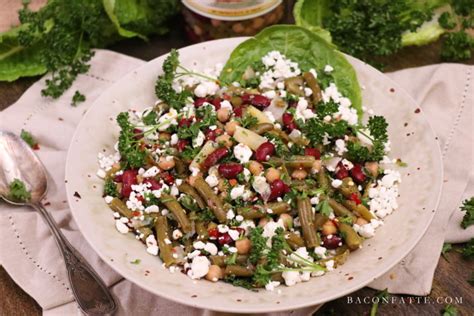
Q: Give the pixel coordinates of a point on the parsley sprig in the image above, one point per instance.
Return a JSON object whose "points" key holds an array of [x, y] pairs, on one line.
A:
{"points": [[18, 191], [468, 207]]}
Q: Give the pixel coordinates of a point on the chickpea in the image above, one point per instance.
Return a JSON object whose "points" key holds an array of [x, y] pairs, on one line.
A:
{"points": [[166, 163], [238, 28], [263, 221], [164, 136], [372, 168], [329, 228], [360, 221], [255, 167], [286, 220], [197, 30], [243, 246], [225, 140], [231, 126], [215, 273], [215, 22], [316, 166], [223, 115], [299, 174], [272, 174]]}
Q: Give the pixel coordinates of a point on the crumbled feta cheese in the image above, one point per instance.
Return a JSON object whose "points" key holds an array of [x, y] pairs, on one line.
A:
{"points": [[174, 139], [340, 147], [336, 183], [247, 225], [328, 69], [270, 116], [383, 197], [225, 104], [212, 180], [199, 140], [108, 199], [314, 200], [239, 218], [101, 173], [234, 234], [237, 192], [242, 153], [364, 137], [199, 245], [271, 285], [211, 248], [151, 172], [320, 252], [230, 214], [232, 249], [199, 267], [152, 209], [221, 228], [330, 265], [167, 119], [270, 94], [261, 186], [347, 164], [121, 227], [206, 88], [291, 277], [269, 230], [177, 234]]}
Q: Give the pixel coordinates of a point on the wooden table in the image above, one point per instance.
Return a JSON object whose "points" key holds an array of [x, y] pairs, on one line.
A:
{"points": [[450, 277]]}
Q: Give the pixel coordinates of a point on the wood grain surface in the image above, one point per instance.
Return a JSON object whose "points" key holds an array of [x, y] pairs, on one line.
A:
{"points": [[450, 282]]}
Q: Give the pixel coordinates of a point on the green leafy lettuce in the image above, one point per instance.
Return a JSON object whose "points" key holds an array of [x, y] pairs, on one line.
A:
{"points": [[300, 45]]}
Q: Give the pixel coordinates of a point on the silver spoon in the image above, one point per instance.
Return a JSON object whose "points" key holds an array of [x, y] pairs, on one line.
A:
{"points": [[18, 161]]}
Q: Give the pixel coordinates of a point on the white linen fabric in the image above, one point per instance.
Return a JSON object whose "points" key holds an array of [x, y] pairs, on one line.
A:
{"points": [[29, 253]]}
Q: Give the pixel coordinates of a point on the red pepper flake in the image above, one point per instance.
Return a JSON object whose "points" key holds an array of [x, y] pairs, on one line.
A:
{"points": [[418, 110], [76, 194], [392, 90], [136, 213], [47, 204], [350, 278], [355, 198], [36, 147]]}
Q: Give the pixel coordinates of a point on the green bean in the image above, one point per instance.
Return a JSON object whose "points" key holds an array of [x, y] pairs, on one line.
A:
{"points": [[294, 85], [221, 260], [348, 188], [319, 220], [189, 190], [294, 240], [262, 128], [340, 210], [280, 134], [293, 161], [213, 201], [173, 205], [238, 271], [367, 188], [323, 181], [259, 211], [314, 86], [118, 206], [306, 218], [360, 209], [180, 167], [162, 236], [146, 231], [352, 239], [201, 230]]}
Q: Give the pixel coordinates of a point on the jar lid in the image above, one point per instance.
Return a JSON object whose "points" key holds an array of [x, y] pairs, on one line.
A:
{"points": [[231, 10]]}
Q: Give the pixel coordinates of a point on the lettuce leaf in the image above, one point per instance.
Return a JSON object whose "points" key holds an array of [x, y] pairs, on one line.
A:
{"points": [[310, 14], [300, 45], [17, 61]]}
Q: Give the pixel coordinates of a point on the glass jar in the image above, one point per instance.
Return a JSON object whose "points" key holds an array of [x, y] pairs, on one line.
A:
{"points": [[212, 19]]}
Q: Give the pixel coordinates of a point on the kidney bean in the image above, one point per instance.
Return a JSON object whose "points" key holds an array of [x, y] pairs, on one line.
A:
{"points": [[167, 178], [185, 122], [260, 101], [210, 134], [230, 170], [155, 185], [264, 151], [312, 152], [224, 239], [358, 174], [215, 156], [287, 118], [341, 171], [118, 178], [246, 98], [331, 243], [277, 189], [200, 101], [129, 178], [216, 103], [291, 126], [213, 233], [181, 145], [239, 111]]}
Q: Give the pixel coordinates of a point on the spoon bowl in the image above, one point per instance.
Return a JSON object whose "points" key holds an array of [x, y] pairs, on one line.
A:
{"points": [[18, 161]]}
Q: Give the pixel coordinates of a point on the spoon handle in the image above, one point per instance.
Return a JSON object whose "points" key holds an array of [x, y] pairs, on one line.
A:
{"points": [[91, 294]]}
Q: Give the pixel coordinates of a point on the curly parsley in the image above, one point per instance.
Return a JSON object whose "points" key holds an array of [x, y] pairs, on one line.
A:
{"points": [[468, 207], [18, 191], [129, 148]]}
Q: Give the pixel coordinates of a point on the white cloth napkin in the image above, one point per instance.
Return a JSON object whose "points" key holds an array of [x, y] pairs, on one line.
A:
{"points": [[29, 253]]}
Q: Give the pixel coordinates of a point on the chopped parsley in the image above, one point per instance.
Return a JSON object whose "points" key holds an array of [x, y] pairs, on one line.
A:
{"points": [[447, 247], [110, 188], [129, 148], [468, 250], [18, 191], [136, 261], [468, 207], [324, 208], [29, 139]]}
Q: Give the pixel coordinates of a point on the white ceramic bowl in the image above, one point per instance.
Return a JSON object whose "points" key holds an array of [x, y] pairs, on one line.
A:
{"points": [[412, 140]]}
